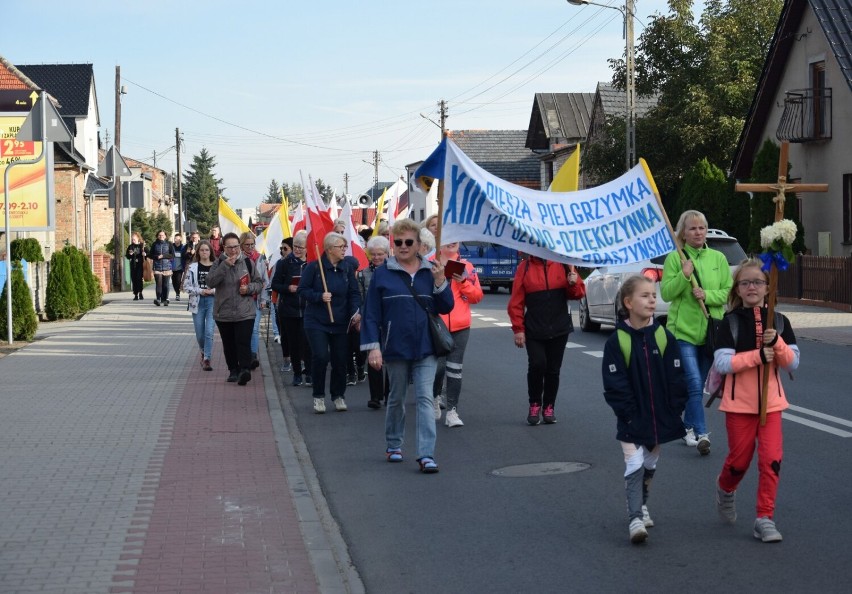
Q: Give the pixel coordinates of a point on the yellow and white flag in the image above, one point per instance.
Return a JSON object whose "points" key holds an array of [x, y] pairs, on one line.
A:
{"points": [[567, 179], [229, 222]]}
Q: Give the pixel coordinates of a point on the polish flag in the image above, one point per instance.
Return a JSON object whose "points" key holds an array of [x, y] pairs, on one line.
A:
{"points": [[353, 247], [318, 222], [298, 221]]}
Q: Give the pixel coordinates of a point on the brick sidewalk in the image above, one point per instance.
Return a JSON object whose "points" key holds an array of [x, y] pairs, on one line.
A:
{"points": [[126, 468]]}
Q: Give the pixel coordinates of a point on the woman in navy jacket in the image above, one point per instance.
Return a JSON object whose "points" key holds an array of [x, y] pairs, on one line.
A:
{"points": [[327, 335], [396, 331]]}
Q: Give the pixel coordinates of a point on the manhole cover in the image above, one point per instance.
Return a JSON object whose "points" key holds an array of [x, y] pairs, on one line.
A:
{"points": [[540, 469]]}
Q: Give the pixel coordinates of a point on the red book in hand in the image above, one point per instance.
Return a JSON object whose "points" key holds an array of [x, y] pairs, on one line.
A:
{"points": [[453, 267], [294, 281], [244, 280]]}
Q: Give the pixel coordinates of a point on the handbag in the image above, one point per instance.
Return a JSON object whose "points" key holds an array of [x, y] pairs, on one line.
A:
{"points": [[442, 339], [713, 326]]}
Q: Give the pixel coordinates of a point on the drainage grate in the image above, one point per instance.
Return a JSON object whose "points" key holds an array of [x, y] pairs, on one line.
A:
{"points": [[540, 469]]}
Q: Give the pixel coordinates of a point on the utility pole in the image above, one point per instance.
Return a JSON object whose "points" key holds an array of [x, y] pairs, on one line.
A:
{"points": [[631, 83], [179, 186], [346, 183], [118, 239], [375, 174], [442, 109]]}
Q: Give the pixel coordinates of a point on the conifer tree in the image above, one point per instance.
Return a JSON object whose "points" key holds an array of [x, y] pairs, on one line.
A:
{"points": [[201, 192], [24, 320], [61, 299]]}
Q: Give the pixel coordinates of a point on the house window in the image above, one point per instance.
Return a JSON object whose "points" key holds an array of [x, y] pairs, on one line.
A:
{"points": [[820, 117], [847, 208]]}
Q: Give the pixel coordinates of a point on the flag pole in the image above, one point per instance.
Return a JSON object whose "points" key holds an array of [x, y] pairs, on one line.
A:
{"points": [[440, 205], [324, 285]]}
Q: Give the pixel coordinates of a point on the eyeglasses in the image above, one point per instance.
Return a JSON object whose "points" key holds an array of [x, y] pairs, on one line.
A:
{"points": [[299, 247], [745, 284], [232, 247], [341, 245], [407, 242], [248, 245]]}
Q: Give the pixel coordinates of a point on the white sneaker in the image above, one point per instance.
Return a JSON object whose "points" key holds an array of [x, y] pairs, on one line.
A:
{"points": [[437, 404], [765, 530], [646, 517], [453, 419], [442, 402], [638, 533], [703, 444], [689, 438], [339, 404], [277, 339], [319, 405]]}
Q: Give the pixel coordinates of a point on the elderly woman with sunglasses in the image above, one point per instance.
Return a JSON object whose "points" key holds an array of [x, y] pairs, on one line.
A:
{"points": [[395, 332], [333, 303]]}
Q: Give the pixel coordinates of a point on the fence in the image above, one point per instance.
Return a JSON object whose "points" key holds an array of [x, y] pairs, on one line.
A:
{"points": [[818, 278]]}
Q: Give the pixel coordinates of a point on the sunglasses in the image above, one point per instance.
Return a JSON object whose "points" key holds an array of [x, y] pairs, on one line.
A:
{"points": [[407, 242]]}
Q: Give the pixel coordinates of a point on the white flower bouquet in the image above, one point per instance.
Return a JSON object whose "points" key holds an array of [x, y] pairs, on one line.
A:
{"points": [[777, 243]]}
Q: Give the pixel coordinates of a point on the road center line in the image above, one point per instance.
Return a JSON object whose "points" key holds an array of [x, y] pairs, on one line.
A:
{"points": [[815, 425], [819, 415]]}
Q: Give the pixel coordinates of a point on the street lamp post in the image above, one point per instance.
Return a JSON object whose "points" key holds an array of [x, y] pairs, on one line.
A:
{"points": [[627, 11]]}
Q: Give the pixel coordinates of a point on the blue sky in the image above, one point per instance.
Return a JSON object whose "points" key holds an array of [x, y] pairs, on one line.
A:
{"points": [[317, 86]]}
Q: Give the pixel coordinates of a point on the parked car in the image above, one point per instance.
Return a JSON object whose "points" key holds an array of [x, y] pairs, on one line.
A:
{"points": [[603, 284], [495, 265]]}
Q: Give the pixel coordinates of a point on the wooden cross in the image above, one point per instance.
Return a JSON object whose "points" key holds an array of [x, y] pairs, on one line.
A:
{"points": [[780, 188]]}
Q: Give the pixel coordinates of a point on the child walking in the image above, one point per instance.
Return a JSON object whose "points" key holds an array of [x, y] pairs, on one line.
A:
{"points": [[744, 348], [645, 385]]}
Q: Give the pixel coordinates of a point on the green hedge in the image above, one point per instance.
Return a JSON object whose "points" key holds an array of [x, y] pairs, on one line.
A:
{"points": [[28, 249], [61, 299], [24, 319]]}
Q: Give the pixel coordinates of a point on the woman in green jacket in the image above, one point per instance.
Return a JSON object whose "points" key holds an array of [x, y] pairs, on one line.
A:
{"points": [[686, 319]]}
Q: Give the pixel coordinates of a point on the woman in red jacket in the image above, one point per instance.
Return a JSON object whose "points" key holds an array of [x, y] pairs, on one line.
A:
{"points": [[466, 292], [541, 321]]}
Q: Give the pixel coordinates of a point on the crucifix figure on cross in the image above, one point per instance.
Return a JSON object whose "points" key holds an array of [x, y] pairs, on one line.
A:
{"points": [[781, 187]]}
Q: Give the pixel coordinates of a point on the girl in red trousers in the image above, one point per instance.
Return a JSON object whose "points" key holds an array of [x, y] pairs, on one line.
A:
{"points": [[742, 360], [541, 322]]}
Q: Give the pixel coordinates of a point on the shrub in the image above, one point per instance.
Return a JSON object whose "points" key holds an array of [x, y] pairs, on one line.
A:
{"points": [[28, 249], [78, 274], [24, 320], [93, 286], [61, 300]]}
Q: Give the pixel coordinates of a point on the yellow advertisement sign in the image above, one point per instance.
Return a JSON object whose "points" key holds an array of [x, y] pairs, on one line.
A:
{"points": [[29, 187]]}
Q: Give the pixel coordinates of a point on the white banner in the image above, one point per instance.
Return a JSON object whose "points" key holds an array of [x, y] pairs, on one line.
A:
{"points": [[620, 222]]}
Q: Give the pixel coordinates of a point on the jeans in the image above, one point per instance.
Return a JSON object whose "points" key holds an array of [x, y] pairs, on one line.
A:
{"points": [[255, 333], [696, 365], [422, 373], [451, 367], [203, 321], [297, 345], [325, 347], [162, 287]]}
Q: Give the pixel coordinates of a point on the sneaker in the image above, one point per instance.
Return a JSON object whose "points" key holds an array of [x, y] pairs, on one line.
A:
{"points": [[319, 405], [244, 377], [638, 533], [339, 404], [689, 438], [157, 302], [308, 381], [442, 402], [374, 404], [177, 297], [436, 403], [726, 504], [205, 365], [453, 419], [276, 339], [533, 416], [646, 517], [351, 379], [362, 374], [765, 530], [166, 302], [297, 380], [255, 363], [703, 444], [234, 375], [287, 366], [549, 417], [394, 454]]}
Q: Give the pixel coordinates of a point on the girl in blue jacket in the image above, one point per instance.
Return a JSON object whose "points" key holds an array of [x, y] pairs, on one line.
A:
{"points": [[646, 389]]}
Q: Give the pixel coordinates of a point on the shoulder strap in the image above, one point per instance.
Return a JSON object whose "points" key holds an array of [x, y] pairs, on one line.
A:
{"points": [[626, 345], [413, 294], [248, 265]]}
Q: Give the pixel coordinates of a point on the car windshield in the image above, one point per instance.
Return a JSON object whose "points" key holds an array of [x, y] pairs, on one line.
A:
{"points": [[733, 251]]}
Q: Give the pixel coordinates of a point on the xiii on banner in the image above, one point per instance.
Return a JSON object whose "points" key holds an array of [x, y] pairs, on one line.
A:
{"points": [[619, 222]]}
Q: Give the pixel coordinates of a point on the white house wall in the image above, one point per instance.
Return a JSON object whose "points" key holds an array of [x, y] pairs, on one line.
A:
{"points": [[818, 162]]}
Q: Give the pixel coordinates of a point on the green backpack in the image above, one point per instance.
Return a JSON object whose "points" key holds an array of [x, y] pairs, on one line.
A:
{"points": [[626, 344]]}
